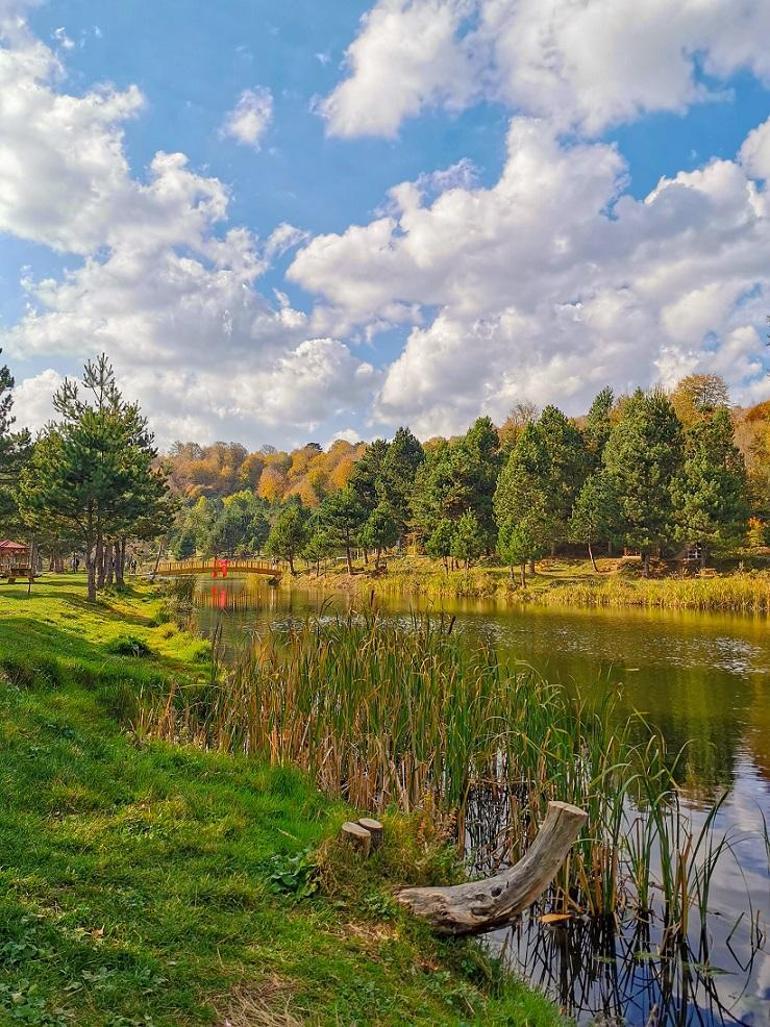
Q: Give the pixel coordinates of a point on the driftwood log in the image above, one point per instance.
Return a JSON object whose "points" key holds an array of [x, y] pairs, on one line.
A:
{"points": [[481, 905]]}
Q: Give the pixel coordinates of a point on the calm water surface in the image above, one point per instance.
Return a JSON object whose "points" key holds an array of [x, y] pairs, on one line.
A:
{"points": [[704, 680]]}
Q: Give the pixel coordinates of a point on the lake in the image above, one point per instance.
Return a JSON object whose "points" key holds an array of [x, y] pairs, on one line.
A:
{"points": [[704, 681]]}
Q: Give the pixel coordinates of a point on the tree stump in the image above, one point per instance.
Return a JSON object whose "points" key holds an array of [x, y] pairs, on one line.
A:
{"points": [[481, 905], [374, 827], [357, 837]]}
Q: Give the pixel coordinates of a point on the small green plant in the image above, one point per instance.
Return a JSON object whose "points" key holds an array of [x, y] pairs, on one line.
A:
{"points": [[295, 875]]}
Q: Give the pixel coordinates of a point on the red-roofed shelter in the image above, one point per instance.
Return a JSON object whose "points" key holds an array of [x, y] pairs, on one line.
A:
{"points": [[14, 558]]}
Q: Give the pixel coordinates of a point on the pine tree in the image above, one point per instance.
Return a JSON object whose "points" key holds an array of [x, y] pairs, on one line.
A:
{"points": [[439, 542], [516, 545], [564, 468], [402, 461], [380, 530], [289, 533], [596, 515], [468, 540], [598, 425], [711, 493], [643, 456], [14, 452], [343, 515], [93, 472], [523, 496]]}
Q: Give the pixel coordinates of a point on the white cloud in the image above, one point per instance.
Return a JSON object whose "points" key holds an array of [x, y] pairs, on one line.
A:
{"points": [[250, 119], [63, 174], [587, 64], [554, 281], [32, 397], [755, 152], [162, 288], [406, 57]]}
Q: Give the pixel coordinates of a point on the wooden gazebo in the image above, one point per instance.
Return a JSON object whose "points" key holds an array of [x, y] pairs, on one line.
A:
{"points": [[14, 559]]}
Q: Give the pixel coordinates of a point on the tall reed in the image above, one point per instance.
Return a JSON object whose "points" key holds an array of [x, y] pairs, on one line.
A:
{"points": [[394, 713]]}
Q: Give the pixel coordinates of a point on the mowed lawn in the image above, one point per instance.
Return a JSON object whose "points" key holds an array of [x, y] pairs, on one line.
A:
{"points": [[138, 879]]}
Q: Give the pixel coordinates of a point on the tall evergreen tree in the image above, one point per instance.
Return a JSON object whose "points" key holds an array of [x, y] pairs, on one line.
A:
{"points": [[14, 452], [458, 476], [643, 456], [343, 515], [596, 515], [289, 533], [402, 461], [711, 494], [368, 477], [564, 468], [439, 542], [523, 502], [468, 539], [380, 531], [598, 425], [93, 470]]}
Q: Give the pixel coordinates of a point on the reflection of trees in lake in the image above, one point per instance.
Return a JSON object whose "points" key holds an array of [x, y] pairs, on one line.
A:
{"points": [[703, 727]]}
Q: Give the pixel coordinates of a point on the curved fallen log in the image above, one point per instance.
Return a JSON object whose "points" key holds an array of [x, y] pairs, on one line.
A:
{"points": [[481, 905]]}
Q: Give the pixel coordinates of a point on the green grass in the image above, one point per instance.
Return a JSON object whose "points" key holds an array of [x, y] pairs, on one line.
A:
{"points": [[137, 878]]}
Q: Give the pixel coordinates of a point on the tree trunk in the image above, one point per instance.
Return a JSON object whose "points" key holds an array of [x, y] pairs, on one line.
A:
{"points": [[120, 563], [99, 561], [91, 571], [291, 564], [523, 575], [532, 569], [349, 559], [645, 564], [591, 556], [482, 905], [703, 556], [109, 564]]}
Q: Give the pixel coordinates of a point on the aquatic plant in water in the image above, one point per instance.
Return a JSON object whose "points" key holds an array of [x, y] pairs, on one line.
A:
{"points": [[390, 714]]}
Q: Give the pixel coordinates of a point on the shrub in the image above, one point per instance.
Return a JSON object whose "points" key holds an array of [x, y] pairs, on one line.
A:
{"points": [[129, 645]]}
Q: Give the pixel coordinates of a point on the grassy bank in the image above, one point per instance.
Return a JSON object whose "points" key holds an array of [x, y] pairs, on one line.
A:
{"points": [[559, 581], [146, 884]]}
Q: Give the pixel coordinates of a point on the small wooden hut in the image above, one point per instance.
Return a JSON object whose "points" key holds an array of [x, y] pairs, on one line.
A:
{"points": [[14, 559]]}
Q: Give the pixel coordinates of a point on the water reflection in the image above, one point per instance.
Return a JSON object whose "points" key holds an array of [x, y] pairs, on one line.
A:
{"points": [[703, 680]]}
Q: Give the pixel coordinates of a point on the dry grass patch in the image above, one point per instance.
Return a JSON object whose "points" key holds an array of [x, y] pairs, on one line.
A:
{"points": [[265, 1003]]}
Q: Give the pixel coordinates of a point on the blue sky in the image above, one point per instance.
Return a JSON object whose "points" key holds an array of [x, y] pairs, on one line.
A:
{"points": [[543, 265]]}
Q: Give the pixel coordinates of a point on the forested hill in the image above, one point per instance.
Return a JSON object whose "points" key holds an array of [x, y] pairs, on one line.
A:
{"points": [[652, 471], [311, 472], [224, 468]]}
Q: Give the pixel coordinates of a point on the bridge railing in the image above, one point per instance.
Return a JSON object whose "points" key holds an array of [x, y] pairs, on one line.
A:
{"points": [[233, 565]]}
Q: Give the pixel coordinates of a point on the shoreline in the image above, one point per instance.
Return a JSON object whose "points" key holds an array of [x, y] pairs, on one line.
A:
{"points": [[187, 924], [557, 582]]}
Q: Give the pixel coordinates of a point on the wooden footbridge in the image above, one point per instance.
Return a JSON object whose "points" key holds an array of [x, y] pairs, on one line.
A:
{"points": [[219, 567]]}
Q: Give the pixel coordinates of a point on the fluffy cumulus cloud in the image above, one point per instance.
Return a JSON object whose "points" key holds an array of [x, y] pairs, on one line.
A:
{"points": [[164, 286], [584, 63], [555, 280], [250, 119], [545, 285], [33, 398]]}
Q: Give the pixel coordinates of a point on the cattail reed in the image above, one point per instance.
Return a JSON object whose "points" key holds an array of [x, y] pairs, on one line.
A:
{"points": [[388, 713]]}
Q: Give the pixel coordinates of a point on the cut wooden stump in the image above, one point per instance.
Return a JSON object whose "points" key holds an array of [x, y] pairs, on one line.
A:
{"points": [[356, 836], [374, 827], [481, 905]]}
